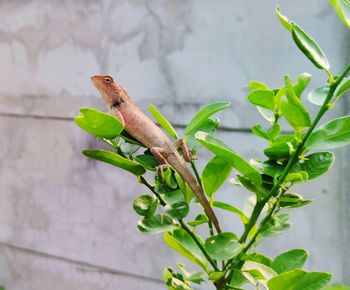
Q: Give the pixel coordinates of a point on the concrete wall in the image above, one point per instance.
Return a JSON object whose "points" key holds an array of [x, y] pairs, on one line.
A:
{"points": [[67, 222]]}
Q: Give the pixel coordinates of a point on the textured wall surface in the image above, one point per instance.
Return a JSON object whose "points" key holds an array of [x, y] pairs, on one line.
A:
{"points": [[67, 222]]}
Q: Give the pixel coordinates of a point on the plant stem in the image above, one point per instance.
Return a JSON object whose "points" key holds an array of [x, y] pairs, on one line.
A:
{"points": [[183, 225], [199, 244], [151, 188]]}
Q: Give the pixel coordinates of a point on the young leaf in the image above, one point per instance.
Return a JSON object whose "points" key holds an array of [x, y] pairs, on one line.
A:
{"points": [[195, 277], [315, 164], [181, 241], [292, 109], [145, 205], [303, 81], [296, 177], [221, 149], [231, 208], [199, 219], [254, 85], [345, 86], [163, 121], [214, 174], [177, 210], [256, 272], [262, 98], [115, 160], [334, 134], [156, 224], [318, 96], [98, 123], [148, 161], [284, 20], [309, 47], [268, 135], [204, 114], [175, 281], [223, 246], [290, 200], [290, 260]]}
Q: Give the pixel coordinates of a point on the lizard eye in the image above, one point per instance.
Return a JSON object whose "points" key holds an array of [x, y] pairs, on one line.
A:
{"points": [[107, 80]]}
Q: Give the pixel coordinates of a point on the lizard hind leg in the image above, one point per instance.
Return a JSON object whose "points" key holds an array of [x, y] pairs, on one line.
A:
{"points": [[158, 153], [186, 152]]}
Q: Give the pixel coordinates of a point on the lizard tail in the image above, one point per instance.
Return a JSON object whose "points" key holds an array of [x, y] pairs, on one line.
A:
{"points": [[187, 175], [193, 184]]}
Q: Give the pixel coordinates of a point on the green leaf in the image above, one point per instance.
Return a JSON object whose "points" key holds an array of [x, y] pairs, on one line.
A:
{"points": [[214, 174], [291, 200], [299, 280], [254, 85], [115, 160], [318, 96], [342, 7], [181, 241], [292, 109], [277, 225], [184, 187], [316, 164], [284, 20], [163, 121], [209, 126], [204, 114], [313, 281], [98, 123], [177, 210], [216, 275], [290, 260], [260, 192], [337, 287], [221, 149], [199, 219], [279, 151], [257, 272], [309, 47], [286, 281], [145, 205], [156, 224], [296, 177], [262, 98], [147, 161], [268, 135], [230, 208], [334, 134], [260, 258], [223, 246], [303, 81]]}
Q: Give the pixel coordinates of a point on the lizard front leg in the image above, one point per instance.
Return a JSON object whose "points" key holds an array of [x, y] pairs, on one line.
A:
{"points": [[115, 112], [186, 152]]}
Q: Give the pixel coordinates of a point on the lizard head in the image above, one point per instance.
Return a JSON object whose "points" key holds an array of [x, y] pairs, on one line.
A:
{"points": [[112, 92]]}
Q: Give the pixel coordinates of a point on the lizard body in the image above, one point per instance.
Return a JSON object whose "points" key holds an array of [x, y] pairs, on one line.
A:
{"points": [[144, 130]]}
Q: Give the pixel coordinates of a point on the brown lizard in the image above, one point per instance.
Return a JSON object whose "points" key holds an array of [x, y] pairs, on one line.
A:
{"points": [[144, 130]]}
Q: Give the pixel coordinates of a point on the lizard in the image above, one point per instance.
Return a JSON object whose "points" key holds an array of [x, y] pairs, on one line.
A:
{"points": [[145, 131]]}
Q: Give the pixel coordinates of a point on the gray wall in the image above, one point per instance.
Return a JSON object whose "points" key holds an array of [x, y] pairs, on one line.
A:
{"points": [[67, 222]]}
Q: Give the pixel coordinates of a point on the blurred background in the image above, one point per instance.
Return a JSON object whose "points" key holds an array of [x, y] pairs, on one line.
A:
{"points": [[67, 222]]}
